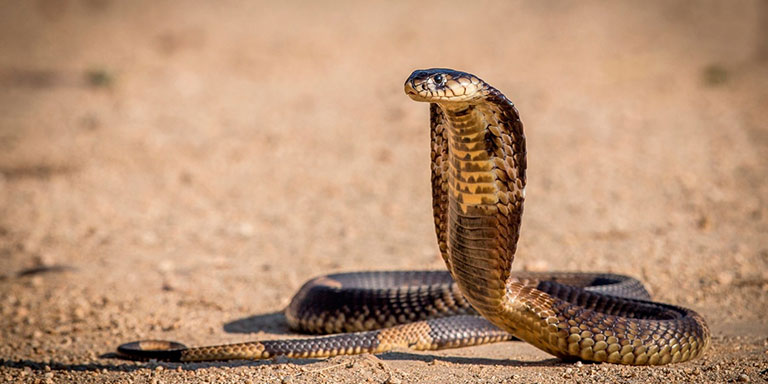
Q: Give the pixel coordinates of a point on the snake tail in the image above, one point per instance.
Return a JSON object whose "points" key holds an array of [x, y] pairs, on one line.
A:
{"points": [[421, 335]]}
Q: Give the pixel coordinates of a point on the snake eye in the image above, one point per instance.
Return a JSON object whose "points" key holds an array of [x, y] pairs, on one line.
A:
{"points": [[439, 79]]}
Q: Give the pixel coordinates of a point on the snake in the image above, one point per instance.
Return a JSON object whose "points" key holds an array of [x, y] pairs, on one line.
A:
{"points": [[478, 176]]}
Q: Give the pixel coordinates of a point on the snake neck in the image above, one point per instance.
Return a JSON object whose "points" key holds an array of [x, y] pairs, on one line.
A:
{"points": [[471, 182], [484, 204]]}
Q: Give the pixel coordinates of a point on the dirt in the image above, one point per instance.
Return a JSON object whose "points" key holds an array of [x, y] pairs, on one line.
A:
{"points": [[177, 171]]}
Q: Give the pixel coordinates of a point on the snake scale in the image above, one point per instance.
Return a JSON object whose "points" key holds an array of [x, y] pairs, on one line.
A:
{"points": [[478, 188]]}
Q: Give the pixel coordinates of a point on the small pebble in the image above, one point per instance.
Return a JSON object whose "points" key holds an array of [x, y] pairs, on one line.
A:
{"points": [[743, 378], [246, 230], [725, 278]]}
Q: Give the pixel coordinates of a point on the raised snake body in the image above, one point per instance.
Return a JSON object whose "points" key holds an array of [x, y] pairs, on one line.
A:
{"points": [[478, 189]]}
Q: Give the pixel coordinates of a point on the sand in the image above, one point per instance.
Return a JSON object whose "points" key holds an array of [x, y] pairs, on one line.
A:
{"points": [[177, 171]]}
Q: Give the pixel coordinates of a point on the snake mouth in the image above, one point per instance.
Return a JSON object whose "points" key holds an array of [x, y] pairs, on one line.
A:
{"points": [[410, 90]]}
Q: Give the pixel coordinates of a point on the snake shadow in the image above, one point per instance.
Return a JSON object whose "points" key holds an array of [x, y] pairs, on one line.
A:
{"points": [[463, 360], [42, 366], [274, 322]]}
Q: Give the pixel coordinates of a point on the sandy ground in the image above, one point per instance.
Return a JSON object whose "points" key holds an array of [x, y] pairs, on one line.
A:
{"points": [[177, 172]]}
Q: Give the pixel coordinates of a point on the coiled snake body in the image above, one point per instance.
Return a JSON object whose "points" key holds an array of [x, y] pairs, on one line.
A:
{"points": [[478, 188]]}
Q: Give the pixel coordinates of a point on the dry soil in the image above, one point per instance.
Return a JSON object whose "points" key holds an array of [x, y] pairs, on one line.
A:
{"points": [[177, 170]]}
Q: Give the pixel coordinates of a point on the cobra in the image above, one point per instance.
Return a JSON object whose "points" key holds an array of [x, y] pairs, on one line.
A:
{"points": [[478, 160]]}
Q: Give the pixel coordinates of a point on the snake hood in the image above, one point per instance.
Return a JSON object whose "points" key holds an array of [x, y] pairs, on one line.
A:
{"points": [[445, 86]]}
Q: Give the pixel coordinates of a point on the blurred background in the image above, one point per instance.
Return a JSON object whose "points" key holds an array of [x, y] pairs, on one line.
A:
{"points": [[168, 167]]}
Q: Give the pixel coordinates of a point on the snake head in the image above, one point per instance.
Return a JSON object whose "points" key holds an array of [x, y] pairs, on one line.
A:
{"points": [[442, 85]]}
